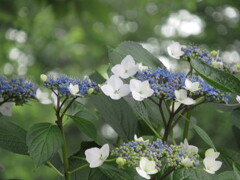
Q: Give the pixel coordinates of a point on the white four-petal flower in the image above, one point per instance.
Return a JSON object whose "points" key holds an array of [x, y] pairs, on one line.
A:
{"points": [[211, 165], [192, 86], [6, 108], [126, 69], [189, 148], [140, 139], [181, 96], [146, 167], [211, 152], [175, 50], [73, 89], [140, 90], [115, 88], [43, 97], [96, 157]]}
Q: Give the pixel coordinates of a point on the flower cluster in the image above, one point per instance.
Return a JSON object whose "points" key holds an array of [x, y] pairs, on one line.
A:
{"points": [[206, 57], [166, 84], [162, 154], [16, 90], [66, 86]]}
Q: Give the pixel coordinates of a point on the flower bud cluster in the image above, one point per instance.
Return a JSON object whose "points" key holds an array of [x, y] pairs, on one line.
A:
{"points": [[164, 83], [211, 59], [16, 90], [61, 85], [129, 154]]}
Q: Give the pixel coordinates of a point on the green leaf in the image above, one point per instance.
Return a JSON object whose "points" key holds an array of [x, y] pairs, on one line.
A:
{"points": [[136, 51], [229, 156], [189, 174], [118, 114], [235, 117], [227, 175], [204, 136], [43, 141], [236, 172], [12, 137], [86, 126], [217, 78]]}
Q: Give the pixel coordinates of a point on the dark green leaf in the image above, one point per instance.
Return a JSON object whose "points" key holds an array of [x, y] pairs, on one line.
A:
{"points": [[235, 117], [118, 114], [12, 137], [204, 136], [136, 51], [227, 175], [217, 78], [229, 156], [86, 126], [43, 140], [236, 172]]}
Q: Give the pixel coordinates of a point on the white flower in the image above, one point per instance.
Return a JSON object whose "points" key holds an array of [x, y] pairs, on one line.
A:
{"points": [[95, 156], [189, 148], [192, 86], [6, 108], [181, 96], [74, 89], [146, 167], [211, 165], [211, 152], [175, 50], [54, 99], [140, 90], [139, 139], [187, 162], [43, 97], [126, 69], [115, 88], [238, 99], [141, 67]]}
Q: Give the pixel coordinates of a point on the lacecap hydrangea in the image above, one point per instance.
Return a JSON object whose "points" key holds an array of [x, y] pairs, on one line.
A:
{"points": [[62, 83], [164, 83], [16, 90]]}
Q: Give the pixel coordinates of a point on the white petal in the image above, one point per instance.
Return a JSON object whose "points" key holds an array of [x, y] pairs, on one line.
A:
{"points": [[104, 152], [115, 82], [124, 90], [174, 50], [238, 99], [151, 167], [187, 101], [96, 163], [6, 109], [143, 162], [118, 70], [134, 85], [209, 162], [115, 96], [93, 154], [192, 148], [211, 152], [211, 172], [142, 173], [217, 166], [180, 94], [107, 89], [137, 96], [128, 62]]}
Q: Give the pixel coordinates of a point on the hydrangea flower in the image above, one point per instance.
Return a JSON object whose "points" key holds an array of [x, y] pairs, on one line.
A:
{"points": [[16, 90], [43, 97], [96, 157], [126, 69], [146, 168], [211, 165], [192, 86], [140, 90], [74, 89], [181, 96], [62, 84], [175, 50], [189, 148], [211, 152], [115, 88]]}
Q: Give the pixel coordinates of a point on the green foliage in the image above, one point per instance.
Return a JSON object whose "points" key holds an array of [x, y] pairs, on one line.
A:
{"points": [[217, 78], [12, 137], [139, 54], [204, 136], [43, 141]]}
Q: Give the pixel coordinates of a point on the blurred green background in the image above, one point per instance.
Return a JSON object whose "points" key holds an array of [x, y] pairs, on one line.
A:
{"points": [[72, 36]]}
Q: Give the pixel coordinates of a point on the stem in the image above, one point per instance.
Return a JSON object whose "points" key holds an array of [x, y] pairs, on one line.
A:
{"points": [[153, 130], [77, 169], [68, 106], [55, 169], [186, 126], [65, 158], [166, 173]]}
